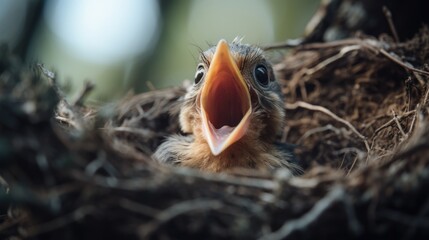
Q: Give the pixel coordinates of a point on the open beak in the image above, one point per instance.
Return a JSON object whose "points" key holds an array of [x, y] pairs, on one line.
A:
{"points": [[225, 101]]}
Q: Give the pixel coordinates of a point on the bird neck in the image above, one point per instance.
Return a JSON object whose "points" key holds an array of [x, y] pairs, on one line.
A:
{"points": [[246, 153]]}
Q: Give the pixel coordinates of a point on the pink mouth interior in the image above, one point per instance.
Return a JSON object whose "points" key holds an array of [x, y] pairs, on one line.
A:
{"points": [[226, 105]]}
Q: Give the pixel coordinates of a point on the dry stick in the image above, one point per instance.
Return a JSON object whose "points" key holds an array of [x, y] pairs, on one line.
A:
{"points": [[420, 146], [393, 120], [352, 166], [399, 124], [59, 222], [372, 44], [142, 132], [375, 46], [4, 184], [150, 85], [310, 132], [265, 184], [311, 46], [136, 184], [359, 155], [418, 108], [290, 43], [419, 78], [335, 195], [339, 43], [332, 59], [136, 207], [388, 15], [53, 80], [329, 113], [406, 65], [389, 19], [401, 63], [177, 210], [11, 222], [413, 121], [87, 88], [425, 99]]}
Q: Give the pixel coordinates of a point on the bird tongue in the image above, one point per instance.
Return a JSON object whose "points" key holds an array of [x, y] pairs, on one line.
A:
{"points": [[222, 133], [225, 102]]}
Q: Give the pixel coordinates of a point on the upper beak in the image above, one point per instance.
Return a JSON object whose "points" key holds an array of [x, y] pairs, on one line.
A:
{"points": [[225, 101]]}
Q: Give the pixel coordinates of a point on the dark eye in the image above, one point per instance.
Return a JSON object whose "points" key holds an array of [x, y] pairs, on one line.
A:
{"points": [[261, 75], [199, 74]]}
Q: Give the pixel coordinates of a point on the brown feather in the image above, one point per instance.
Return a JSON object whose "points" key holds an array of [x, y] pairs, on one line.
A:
{"points": [[256, 149]]}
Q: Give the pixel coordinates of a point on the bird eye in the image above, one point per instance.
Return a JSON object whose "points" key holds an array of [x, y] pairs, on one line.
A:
{"points": [[261, 75], [199, 74]]}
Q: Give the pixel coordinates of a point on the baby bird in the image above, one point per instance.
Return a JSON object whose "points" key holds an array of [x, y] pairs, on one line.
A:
{"points": [[233, 113]]}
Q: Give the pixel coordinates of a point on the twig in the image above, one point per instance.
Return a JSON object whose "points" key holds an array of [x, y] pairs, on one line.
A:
{"points": [[138, 208], [425, 99], [52, 78], [332, 59], [329, 113], [302, 223], [49, 74], [422, 145], [4, 184], [352, 166], [318, 130], [413, 122], [387, 124], [177, 210], [401, 63], [333, 44], [399, 124], [389, 19], [358, 152], [138, 131], [87, 88], [136, 183], [264, 184], [359, 155], [101, 162], [57, 223], [370, 44], [393, 120], [10, 223], [150, 85], [290, 43]]}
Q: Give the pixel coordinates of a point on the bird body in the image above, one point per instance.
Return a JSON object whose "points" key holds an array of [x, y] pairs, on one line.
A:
{"points": [[233, 113]]}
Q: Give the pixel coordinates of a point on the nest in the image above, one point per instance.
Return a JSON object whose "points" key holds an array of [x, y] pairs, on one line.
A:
{"points": [[357, 111]]}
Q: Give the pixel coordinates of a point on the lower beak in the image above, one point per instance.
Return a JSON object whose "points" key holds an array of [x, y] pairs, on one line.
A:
{"points": [[225, 101]]}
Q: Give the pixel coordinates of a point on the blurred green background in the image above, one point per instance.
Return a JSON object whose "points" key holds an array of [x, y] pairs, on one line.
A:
{"points": [[140, 45]]}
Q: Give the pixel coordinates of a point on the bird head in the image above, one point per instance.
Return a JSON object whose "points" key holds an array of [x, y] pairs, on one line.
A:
{"points": [[235, 97]]}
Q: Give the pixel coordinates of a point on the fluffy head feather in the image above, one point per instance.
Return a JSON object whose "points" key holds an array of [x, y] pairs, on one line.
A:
{"points": [[256, 149]]}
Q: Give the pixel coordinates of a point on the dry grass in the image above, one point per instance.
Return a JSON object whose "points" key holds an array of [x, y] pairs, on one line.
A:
{"points": [[357, 111]]}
